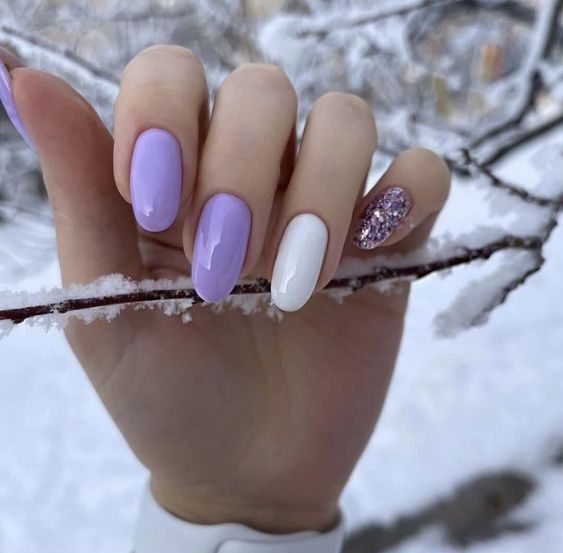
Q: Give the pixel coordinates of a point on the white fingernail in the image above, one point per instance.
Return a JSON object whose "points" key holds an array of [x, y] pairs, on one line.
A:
{"points": [[299, 262]]}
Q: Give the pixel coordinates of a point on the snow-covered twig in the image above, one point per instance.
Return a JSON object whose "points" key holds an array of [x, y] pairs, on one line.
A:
{"points": [[528, 80], [494, 142], [514, 190], [17, 39], [66, 303], [521, 137], [366, 17]]}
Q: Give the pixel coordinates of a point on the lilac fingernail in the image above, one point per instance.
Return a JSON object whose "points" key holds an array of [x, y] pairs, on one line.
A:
{"points": [[382, 217], [220, 246], [156, 180], [7, 99]]}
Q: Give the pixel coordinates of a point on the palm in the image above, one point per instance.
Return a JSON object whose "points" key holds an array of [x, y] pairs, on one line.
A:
{"points": [[229, 398]]}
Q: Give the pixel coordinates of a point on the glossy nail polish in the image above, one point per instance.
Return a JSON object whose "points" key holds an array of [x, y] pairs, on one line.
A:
{"points": [[156, 180], [382, 217], [299, 262], [220, 246], [7, 100]]}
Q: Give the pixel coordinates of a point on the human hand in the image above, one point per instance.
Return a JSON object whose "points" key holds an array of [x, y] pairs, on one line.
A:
{"points": [[238, 418]]}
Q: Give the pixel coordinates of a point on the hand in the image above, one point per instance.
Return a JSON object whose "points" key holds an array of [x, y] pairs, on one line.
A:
{"points": [[238, 418]]}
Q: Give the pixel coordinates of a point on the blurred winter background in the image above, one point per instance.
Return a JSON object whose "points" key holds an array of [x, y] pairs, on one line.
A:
{"points": [[469, 451]]}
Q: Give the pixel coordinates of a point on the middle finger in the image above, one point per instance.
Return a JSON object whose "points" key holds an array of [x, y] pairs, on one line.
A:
{"points": [[249, 135]]}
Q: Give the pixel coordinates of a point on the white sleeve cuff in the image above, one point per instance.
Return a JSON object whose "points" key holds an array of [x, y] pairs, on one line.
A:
{"points": [[160, 532]]}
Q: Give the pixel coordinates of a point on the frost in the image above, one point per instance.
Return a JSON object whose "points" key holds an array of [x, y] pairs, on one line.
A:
{"points": [[5, 328], [247, 304], [111, 285], [105, 286], [473, 304], [549, 160]]}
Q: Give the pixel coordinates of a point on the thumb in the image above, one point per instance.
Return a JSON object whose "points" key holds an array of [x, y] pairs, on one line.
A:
{"points": [[96, 231]]}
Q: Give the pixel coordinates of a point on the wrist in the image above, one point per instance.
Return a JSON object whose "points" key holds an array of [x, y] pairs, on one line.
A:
{"points": [[264, 516], [158, 531]]}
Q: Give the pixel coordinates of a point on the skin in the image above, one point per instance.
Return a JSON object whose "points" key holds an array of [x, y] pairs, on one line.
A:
{"points": [[238, 418]]}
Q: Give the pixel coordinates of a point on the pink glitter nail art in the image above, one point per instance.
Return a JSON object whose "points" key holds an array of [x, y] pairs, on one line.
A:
{"points": [[382, 217]]}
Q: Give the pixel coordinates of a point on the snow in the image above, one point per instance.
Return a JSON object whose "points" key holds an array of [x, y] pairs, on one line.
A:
{"points": [[488, 400], [473, 302], [103, 287]]}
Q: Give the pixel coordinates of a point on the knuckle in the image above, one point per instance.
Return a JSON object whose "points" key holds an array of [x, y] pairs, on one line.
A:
{"points": [[238, 148]]}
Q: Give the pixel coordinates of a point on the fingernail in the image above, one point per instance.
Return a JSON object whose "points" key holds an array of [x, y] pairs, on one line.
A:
{"points": [[299, 262], [156, 180], [220, 246], [7, 99], [382, 217]]}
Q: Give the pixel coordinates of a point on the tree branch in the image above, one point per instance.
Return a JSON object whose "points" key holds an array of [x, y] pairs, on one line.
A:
{"points": [[15, 38], [379, 274], [522, 138], [512, 189], [367, 17], [529, 79]]}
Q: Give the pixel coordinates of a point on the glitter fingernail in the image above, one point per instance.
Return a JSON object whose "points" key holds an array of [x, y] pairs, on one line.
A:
{"points": [[382, 217]]}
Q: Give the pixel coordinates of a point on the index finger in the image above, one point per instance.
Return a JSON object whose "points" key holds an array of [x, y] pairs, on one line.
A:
{"points": [[160, 115]]}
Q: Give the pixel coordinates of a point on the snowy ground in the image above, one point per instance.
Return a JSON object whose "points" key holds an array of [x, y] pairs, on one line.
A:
{"points": [[479, 405]]}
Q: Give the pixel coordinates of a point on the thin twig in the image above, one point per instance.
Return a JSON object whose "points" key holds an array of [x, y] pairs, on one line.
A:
{"points": [[380, 274], [529, 80], [338, 23], [522, 138], [17, 35], [512, 189]]}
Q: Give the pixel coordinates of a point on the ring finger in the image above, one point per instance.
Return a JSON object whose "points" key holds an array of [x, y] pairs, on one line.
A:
{"points": [[331, 170]]}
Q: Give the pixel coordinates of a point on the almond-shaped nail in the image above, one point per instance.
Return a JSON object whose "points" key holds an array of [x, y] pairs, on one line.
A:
{"points": [[382, 217], [156, 180], [220, 246], [299, 262], [7, 99]]}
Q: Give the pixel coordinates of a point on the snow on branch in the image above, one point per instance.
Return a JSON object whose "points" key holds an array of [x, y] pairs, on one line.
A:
{"points": [[36, 48], [524, 86], [364, 51], [337, 22], [527, 81], [514, 190], [109, 295]]}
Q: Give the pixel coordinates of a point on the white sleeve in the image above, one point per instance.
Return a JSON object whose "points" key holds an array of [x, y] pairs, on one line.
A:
{"points": [[160, 532]]}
